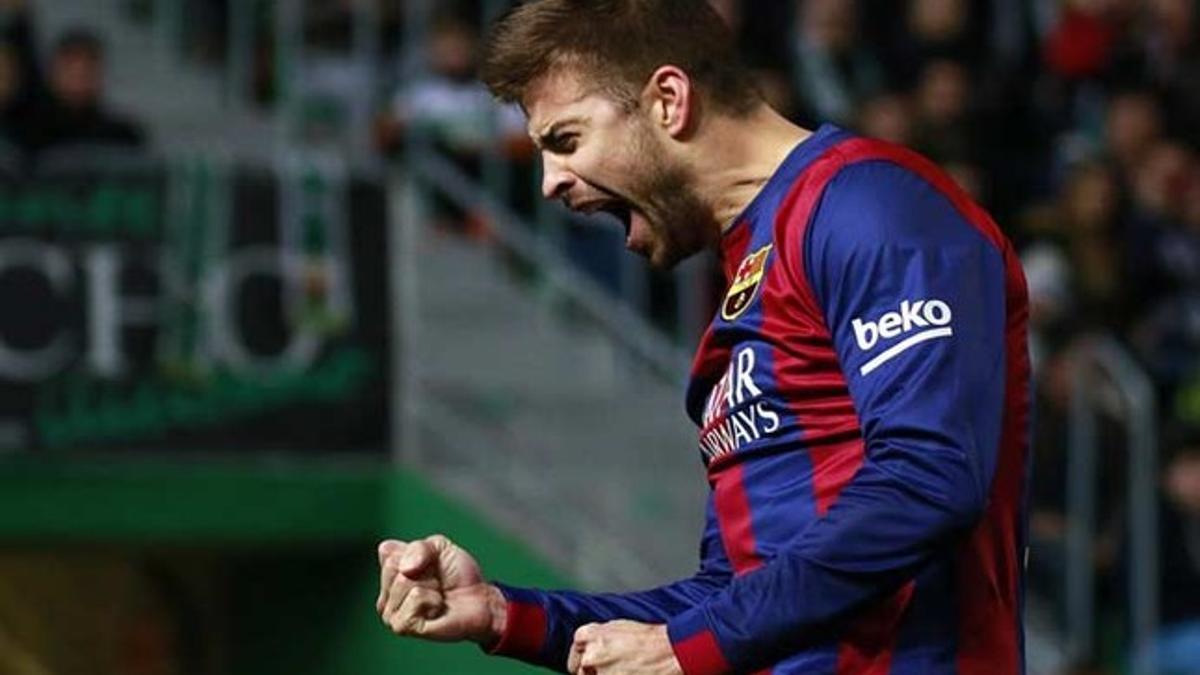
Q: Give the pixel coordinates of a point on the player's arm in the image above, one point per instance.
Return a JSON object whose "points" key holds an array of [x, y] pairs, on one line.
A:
{"points": [[541, 625], [930, 409], [434, 590]]}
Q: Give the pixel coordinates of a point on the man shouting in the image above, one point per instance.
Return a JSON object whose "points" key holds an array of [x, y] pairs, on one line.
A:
{"points": [[862, 394]]}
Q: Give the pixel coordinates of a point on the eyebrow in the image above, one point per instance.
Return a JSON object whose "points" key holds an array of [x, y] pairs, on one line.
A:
{"points": [[547, 136]]}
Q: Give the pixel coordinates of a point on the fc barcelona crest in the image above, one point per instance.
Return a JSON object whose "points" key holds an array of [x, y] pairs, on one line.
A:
{"points": [[745, 284]]}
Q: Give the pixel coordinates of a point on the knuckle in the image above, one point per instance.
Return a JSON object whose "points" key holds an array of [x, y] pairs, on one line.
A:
{"points": [[401, 587], [397, 625], [390, 549], [415, 551], [422, 596]]}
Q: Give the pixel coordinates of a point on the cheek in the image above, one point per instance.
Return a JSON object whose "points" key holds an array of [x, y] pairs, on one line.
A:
{"points": [[615, 154]]}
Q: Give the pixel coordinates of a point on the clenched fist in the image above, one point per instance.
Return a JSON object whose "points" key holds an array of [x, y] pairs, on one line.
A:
{"points": [[622, 648], [432, 589]]}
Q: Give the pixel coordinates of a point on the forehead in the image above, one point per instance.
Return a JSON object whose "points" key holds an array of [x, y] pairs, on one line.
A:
{"points": [[558, 95]]}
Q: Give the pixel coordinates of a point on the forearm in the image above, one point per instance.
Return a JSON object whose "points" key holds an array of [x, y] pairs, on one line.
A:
{"points": [[539, 625], [877, 537]]}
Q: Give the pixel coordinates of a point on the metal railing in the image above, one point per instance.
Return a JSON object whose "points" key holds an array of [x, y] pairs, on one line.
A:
{"points": [[622, 323], [1103, 367]]}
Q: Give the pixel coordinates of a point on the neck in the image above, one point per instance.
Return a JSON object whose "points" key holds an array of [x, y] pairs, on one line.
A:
{"points": [[735, 157]]}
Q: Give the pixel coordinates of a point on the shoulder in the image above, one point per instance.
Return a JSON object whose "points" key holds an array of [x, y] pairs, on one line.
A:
{"points": [[879, 200], [869, 202], [865, 193]]}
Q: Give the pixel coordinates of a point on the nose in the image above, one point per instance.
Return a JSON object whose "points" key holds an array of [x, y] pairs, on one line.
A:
{"points": [[556, 179]]}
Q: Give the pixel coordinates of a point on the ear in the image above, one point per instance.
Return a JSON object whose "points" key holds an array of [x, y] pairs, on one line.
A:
{"points": [[671, 98]]}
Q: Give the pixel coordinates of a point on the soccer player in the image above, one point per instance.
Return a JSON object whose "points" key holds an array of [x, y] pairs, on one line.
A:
{"points": [[862, 394]]}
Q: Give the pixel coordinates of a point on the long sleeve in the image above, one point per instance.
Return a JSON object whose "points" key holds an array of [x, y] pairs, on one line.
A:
{"points": [[914, 298], [542, 624]]}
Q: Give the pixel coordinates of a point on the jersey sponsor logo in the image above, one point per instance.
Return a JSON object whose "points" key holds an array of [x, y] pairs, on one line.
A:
{"points": [[930, 319], [745, 284], [735, 413]]}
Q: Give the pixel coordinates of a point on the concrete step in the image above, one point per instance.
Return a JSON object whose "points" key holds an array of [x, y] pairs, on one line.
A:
{"points": [[587, 451]]}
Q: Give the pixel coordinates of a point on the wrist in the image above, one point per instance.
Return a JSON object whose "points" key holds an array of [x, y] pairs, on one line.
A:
{"points": [[518, 621], [663, 638], [497, 613]]}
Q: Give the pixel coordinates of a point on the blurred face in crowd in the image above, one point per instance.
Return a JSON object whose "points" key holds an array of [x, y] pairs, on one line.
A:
{"points": [[1174, 19], [600, 154], [452, 51], [888, 118], [1183, 481], [943, 91], [1161, 183], [77, 76], [828, 24], [1133, 124], [1091, 198], [937, 20]]}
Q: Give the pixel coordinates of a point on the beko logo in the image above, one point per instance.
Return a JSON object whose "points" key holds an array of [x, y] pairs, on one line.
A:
{"points": [[931, 317]]}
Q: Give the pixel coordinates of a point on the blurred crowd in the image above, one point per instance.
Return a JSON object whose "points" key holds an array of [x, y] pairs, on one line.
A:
{"points": [[56, 103]]}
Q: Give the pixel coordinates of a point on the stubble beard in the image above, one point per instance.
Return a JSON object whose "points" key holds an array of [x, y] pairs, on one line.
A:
{"points": [[679, 220]]}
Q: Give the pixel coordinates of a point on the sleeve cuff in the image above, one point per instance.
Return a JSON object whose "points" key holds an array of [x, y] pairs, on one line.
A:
{"points": [[695, 645], [524, 627]]}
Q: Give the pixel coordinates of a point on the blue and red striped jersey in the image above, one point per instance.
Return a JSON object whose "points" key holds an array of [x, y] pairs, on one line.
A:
{"points": [[862, 398]]}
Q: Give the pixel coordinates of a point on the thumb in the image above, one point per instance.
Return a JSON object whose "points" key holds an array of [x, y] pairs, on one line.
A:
{"points": [[575, 656]]}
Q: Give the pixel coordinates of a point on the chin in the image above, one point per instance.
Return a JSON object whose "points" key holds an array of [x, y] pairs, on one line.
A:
{"points": [[664, 260], [661, 265]]}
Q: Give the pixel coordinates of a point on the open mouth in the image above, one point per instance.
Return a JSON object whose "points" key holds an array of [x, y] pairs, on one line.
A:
{"points": [[622, 212], [617, 208]]}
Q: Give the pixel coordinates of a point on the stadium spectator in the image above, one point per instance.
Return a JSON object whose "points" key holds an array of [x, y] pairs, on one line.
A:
{"points": [[1082, 42], [945, 128], [1133, 124], [1162, 52], [16, 30], [76, 112], [1074, 263], [451, 109], [833, 70], [888, 117], [1165, 255], [449, 104], [20, 79], [934, 30], [1089, 217], [1173, 59], [1177, 646]]}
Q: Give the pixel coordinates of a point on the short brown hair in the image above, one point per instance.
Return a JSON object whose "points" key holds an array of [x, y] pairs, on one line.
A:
{"points": [[620, 43]]}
